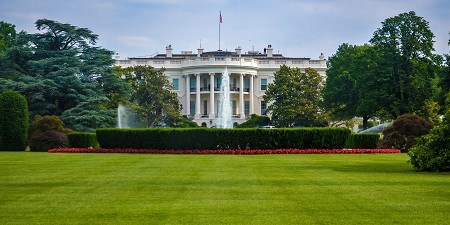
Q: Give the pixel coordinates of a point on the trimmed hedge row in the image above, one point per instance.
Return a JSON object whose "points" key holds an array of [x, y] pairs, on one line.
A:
{"points": [[13, 121], [82, 140], [204, 138], [365, 140]]}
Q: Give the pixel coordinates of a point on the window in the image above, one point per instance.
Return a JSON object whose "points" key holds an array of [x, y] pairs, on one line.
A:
{"points": [[192, 108], [176, 84], [246, 108], [233, 107], [218, 82], [263, 84], [192, 83], [246, 85], [205, 107], [263, 108]]}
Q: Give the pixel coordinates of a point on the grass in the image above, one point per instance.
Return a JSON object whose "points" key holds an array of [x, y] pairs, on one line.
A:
{"points": [[42, 188]]}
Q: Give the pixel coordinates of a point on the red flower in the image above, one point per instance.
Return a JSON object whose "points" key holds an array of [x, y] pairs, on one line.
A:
{"points": [[226, 151]]}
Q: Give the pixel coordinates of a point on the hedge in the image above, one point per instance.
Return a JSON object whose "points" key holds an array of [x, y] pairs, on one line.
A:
{"points": [[206, 138], [82, 140], [365, 140], [13, 121]]}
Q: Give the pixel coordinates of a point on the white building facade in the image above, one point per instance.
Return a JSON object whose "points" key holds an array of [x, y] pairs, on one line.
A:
{"points": [[196, 79]]}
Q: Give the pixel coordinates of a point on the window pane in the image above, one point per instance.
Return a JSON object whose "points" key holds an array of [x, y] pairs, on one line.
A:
{"points": [[263, 108], [247, 107], [192, 107], [192, 83], [246, 85], [175, 84], [263, 84]]}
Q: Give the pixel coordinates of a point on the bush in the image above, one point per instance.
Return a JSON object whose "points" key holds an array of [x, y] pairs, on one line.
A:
{"points": [[47, 140], [255, 121], [82, 140], [13, 121], [204, 138], [403, 132], [368, 140], [432, 151], [42, 124]]}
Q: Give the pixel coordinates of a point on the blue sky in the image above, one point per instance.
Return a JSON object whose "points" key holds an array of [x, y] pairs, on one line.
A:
{"points": [[294, 28]]}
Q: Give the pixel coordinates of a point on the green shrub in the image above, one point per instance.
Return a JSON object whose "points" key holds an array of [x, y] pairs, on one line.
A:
{"points": [[42, 124], [47, 140], [432, 151], [367, 140], [255, 121], [13, 121], [403, 132], [82, 140], [204, 138]]}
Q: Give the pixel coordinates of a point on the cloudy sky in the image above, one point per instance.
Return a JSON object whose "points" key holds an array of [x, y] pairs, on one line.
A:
{"points": [[295, 28]]}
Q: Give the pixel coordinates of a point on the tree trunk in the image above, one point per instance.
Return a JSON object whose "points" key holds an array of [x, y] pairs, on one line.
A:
{"points": [[366, 122]]}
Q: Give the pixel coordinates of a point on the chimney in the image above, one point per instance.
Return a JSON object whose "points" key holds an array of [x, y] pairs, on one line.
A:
{"points": [[238, 51], [117, 56], [200, 51], [169, 51], [269, 51], [321, 57]]}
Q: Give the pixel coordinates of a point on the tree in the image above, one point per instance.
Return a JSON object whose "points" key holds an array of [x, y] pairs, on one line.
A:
{"points": [[405, 43], [294, 97], [351, 88], [89, 115], [13, 121], [7, 35], [60, 69], [151, 97]]}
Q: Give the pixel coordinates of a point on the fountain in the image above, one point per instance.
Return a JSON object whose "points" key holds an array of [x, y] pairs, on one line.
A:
{"points": [[122, 117], [224, 107]]}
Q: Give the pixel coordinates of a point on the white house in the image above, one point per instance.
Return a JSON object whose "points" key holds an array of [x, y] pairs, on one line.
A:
{"points": [[196, 79]]}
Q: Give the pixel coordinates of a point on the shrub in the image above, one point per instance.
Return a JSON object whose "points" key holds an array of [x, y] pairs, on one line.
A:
{"points": [[42, 124], [367, 140], [432, 151], [204, 138], [255, 121], [13, 121], [403, 132], [47, 140], [82, 140]]}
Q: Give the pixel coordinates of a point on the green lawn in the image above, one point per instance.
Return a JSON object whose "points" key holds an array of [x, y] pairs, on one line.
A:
{"points": [[42, 188]]}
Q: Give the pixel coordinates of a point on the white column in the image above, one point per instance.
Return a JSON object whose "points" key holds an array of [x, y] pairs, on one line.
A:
{"points": [[197, 96], [211, 96], [241, 96], [188, 96], [251, 95]]}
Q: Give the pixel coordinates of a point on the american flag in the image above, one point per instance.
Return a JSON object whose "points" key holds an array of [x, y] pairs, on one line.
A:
{"points": [[220, 17]]}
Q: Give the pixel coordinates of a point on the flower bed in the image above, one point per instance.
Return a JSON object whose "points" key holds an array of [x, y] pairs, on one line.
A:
{"points": [[226, 151]]}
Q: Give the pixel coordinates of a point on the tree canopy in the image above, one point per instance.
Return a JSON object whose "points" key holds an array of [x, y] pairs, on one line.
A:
{"points": [[405, 43], [59, 69], [294, 97], [392, 75], [152, 97]]}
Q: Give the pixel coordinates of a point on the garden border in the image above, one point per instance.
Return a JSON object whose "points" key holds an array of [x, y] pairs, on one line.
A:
{"points": [[226, 151]]}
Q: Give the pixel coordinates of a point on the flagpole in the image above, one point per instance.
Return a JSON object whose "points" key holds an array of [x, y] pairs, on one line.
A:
{"points": [[220, 21]]}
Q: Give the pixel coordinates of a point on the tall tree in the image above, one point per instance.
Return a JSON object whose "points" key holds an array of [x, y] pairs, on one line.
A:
{"points": [[350, 89], [151, 97], [59, 69], [294, 97], [406, 44]]}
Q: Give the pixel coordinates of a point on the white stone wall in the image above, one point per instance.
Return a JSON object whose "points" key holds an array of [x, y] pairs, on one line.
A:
{"points": [[179, 68]]}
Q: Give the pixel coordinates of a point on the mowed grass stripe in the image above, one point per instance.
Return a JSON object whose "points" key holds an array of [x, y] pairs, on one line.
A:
{"points": [[42, 188]]}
